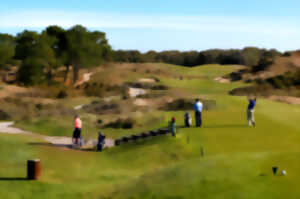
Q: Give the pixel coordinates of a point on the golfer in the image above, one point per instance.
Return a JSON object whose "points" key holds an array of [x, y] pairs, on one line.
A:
{"points": [[250, 111], [173, 126], [77, 130], [198, 106]]}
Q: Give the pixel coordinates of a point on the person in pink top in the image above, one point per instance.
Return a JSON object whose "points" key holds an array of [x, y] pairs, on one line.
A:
{"points": [[77, 130]]}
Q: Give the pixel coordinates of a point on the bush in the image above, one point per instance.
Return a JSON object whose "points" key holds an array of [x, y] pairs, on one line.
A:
{"points": [[188, 104], [160, 87], [102, 108], [4, 115], [94, 89], [62, 94], [262, 89], [150, 95], [31, 72], [122, 124]]}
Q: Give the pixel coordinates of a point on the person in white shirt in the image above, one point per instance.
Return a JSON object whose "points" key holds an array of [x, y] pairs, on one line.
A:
{"points": [[198, 106]]}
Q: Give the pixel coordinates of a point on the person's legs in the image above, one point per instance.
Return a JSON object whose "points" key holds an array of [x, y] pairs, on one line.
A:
{"points": [[186, 122], [197, 118], [252, 118], [200, 119], [74, 136], [249, 117], [79, 137]]}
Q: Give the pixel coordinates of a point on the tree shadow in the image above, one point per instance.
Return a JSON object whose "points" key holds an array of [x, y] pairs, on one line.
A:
{"points": [[13, 179]]}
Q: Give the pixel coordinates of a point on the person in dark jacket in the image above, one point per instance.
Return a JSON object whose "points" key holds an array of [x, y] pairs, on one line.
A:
{"points": [[250, 111], [101, 141]]}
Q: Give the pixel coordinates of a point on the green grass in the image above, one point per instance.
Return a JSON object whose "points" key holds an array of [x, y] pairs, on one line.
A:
{"points": [[237, 159]]}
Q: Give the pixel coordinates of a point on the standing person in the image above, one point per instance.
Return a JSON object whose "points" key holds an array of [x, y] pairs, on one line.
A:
{"points": [[101, 141], [77, 130], [250, 111], [187, 119], [173, 126], [198, 106]]}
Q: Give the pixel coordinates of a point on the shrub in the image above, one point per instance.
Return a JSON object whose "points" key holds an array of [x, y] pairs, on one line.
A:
{"points": [[150, 95], [62, 94], [122, 124], [187, 104], [94, 89], [31, 72], [160, 87], [287, 54], [4, 115], [102, 108]]}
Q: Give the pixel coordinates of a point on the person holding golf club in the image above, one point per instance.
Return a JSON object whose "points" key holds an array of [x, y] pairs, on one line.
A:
{"points": [[250, 111], [198, 106]]}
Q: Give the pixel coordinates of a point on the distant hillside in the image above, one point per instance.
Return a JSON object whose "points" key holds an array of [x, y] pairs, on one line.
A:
{"points": [[280, 76]]}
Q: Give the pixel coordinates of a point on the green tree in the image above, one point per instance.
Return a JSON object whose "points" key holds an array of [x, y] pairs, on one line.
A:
{"points": [[31, 72], [37, 50], [25, 43], [59, 46], [84, 48], [7, 49], [251, 56]]}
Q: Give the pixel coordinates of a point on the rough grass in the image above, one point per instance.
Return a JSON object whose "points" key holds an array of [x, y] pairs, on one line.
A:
{"points": [[236, 164]]}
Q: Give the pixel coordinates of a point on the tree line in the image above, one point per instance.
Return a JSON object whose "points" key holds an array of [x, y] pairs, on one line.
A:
{"points": [[253, 57], [39, 55]]}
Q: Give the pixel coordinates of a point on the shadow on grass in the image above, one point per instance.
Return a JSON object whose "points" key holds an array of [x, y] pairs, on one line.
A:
{"points": [[49, 144], [13, 179], [65, 146], [226, 126]]}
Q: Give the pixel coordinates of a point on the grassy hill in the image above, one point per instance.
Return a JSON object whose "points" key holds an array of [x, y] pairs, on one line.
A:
{"points": [[237, 159], [279, 76]]}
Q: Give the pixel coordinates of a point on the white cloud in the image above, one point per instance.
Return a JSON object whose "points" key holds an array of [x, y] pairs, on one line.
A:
{"points": [[38, 19], [163, 32]]}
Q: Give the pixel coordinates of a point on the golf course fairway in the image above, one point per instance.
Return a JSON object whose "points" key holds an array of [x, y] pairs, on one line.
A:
{"points": [[223, 159]]}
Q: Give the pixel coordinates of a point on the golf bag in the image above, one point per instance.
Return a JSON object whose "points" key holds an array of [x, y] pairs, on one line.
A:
{"points": [[187, 120], [101, 141]]}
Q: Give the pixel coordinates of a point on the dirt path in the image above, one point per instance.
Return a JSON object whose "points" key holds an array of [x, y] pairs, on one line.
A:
{"points": [[59, 141], [85, 78], [6, 127]]}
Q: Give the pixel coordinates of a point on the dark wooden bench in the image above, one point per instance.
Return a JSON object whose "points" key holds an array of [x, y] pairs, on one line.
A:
{"points": [[144, 135]]}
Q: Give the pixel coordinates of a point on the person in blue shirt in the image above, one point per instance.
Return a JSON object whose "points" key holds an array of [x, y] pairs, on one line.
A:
{"points": [[173, 126], [250, 111], [198, 106]]}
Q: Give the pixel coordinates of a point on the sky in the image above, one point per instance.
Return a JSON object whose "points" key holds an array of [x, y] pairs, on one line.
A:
{"points": [[165, 24]]}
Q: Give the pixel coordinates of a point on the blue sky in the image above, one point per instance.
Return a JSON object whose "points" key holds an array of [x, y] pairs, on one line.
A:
{"points": [[166, 24]]}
